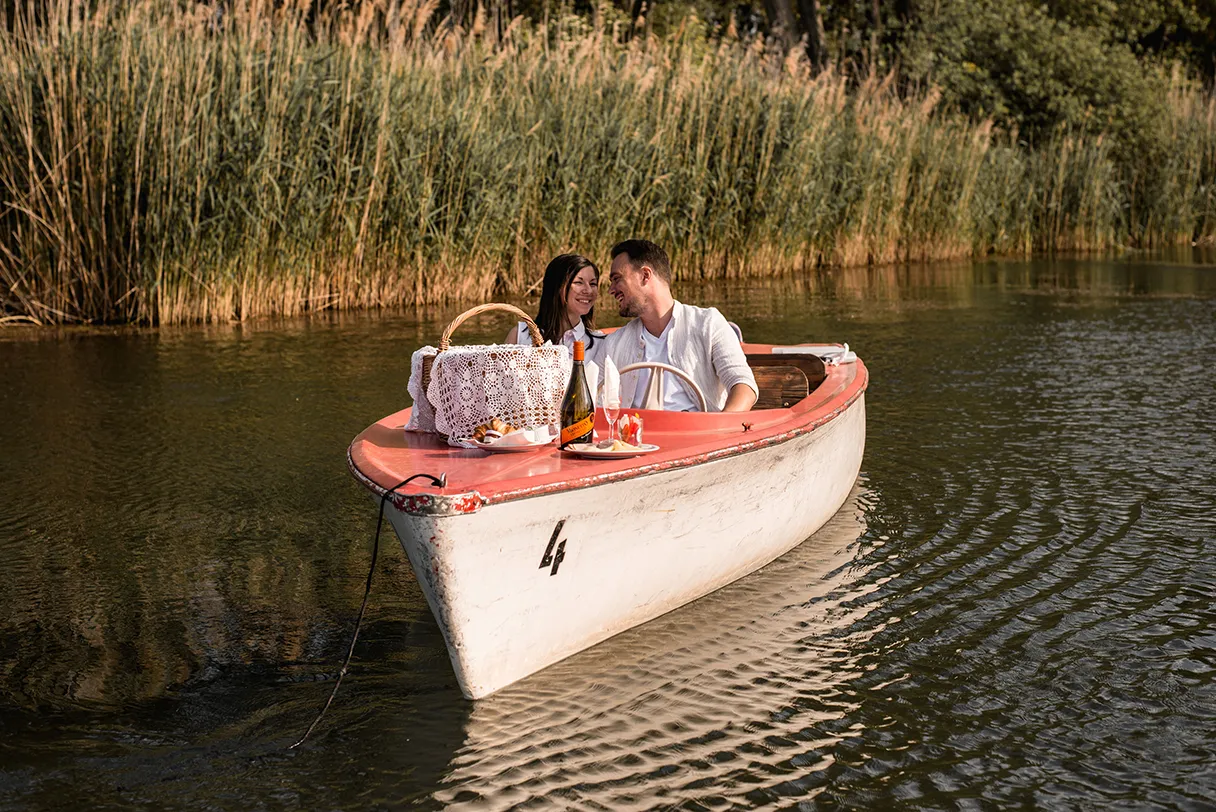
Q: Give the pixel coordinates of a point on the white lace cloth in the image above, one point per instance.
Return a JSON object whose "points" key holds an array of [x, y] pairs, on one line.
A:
{"points": [[591, 360], [422, 416], [518, 384]]}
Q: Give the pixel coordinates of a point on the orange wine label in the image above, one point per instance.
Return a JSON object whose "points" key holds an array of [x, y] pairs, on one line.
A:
{"points": [[573, 432]]}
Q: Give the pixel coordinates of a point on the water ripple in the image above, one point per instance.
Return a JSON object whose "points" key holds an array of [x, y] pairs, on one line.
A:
{"points": [[1014, 610]]}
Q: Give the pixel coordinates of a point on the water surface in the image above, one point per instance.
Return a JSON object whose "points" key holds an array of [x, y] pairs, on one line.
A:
{"points": [[1014, 608]]}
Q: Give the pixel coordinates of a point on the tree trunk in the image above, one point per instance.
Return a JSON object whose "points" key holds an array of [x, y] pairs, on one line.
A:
{"points": [[875, 31], [897, 33], [781, 19], [812, 29]]}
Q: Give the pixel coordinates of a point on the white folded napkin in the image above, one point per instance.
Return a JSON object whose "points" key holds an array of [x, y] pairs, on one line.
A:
{"points": [[530, 435]]}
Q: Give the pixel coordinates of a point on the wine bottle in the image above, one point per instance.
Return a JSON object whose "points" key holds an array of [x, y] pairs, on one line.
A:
{"points": [[578, 411]]}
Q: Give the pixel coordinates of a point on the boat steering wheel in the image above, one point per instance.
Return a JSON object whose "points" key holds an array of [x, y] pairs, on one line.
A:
{"points": [[656, 379]]}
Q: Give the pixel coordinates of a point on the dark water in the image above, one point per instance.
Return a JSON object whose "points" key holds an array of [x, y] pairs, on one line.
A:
{"points": [[1014, 609]]}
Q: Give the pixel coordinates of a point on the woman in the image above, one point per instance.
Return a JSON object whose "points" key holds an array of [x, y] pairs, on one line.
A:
{"points": [[567, 306]]}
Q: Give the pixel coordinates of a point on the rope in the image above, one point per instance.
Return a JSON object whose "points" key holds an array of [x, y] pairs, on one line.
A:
{"points": [[439, 482]]}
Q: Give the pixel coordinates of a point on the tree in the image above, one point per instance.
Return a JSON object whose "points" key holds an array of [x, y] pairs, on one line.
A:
{"points": [[812, 30], [780, 15]]}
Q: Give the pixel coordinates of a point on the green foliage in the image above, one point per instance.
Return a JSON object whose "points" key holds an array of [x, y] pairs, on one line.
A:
{"points": [[1092, 65], [1150, 25], [1013, 62]]}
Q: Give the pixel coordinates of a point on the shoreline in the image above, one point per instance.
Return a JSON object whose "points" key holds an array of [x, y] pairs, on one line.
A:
{"points": [[861, 281]]}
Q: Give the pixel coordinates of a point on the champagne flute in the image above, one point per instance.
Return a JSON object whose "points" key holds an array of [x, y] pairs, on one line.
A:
{"points": [[610, 403], [610, 398], [612, 410]]}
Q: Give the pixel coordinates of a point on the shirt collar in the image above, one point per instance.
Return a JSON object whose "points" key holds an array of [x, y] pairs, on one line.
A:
{"points": [[661, 336], [671, 323], [577, 333]]}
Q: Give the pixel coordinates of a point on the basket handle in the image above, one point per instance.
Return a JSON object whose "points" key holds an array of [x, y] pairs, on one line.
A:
{"points": [[445, 340]]}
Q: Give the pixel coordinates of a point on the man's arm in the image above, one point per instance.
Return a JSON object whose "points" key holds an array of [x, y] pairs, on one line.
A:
{"points": [[740, 399], [731, 366]]}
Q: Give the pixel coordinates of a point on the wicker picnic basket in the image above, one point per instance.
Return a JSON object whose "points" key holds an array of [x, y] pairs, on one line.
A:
{"points": [[467, 386]]}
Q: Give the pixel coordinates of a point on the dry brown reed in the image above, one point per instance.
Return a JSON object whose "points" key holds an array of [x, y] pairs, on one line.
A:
{"points": [[162, 166]]}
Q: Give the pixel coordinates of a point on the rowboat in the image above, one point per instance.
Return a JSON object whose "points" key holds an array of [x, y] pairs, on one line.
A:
{"points": [[527, 558]]}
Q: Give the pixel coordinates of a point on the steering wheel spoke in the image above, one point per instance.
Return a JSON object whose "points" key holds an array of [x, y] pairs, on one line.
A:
{"points": [[684, 377]]}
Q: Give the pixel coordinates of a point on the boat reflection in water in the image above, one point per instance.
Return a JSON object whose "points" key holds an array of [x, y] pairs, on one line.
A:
{"points": [[743, 675]]}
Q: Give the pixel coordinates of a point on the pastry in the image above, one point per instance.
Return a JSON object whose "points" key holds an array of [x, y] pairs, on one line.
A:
{"points": [[500, 427]]}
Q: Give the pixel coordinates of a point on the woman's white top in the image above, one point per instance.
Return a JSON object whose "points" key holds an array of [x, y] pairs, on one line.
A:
{"points": [[592, 354]]}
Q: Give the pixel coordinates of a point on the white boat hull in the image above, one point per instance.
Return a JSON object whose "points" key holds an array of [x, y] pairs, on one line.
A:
{"points": [[519, 585]]}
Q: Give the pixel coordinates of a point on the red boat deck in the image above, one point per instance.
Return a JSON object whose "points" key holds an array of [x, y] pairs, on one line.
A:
{"points": [[384, 454]]}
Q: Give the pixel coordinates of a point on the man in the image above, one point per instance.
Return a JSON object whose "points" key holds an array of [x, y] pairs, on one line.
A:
{"points": [[696, 340]]}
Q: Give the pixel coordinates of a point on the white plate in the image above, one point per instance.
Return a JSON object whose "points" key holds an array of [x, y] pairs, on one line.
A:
{"points": [[498, 448], [591, 452]]}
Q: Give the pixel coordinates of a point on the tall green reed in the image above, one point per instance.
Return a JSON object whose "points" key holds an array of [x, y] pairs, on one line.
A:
{"points": [[159, 165]]}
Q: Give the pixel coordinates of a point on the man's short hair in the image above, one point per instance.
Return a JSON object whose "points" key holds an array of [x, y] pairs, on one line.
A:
{"points": [[644, 252]]}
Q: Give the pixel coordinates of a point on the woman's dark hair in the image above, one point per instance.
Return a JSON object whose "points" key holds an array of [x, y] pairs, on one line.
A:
{"points": [[559, 275]]}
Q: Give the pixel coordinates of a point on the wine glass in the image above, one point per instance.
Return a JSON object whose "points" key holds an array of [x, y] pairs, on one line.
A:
{"points": [[612, 410], [610, 403], [610, 397]]}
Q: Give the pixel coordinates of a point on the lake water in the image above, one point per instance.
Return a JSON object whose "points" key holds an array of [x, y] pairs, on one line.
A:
{"points": [[1015, 607]]}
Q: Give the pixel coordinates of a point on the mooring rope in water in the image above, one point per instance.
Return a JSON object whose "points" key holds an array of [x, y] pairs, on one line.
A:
{"points": [[438, 482]]}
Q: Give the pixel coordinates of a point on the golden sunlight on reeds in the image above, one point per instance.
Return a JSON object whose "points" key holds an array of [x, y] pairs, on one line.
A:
{"points": [[163, 166]]}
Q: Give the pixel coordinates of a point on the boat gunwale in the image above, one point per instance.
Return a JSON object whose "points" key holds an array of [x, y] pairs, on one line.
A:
{"points": [[435, 504]]}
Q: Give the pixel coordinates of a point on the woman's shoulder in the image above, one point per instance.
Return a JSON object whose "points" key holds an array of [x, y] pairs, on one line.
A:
{"points": [[520, 335]]}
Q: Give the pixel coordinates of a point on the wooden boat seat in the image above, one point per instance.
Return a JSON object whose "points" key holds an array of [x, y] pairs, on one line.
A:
{"points": [[785, 379], [780, 386]]}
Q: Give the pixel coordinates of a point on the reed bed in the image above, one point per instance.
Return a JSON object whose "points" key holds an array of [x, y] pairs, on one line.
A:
{"points": [[162, 165]]}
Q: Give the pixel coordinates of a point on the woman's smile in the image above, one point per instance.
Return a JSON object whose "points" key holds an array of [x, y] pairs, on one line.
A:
{"points": [[582, 293]]}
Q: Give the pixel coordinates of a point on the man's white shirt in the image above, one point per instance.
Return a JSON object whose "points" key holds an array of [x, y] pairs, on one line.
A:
{"points": [[697, 340], [676, 397]]}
